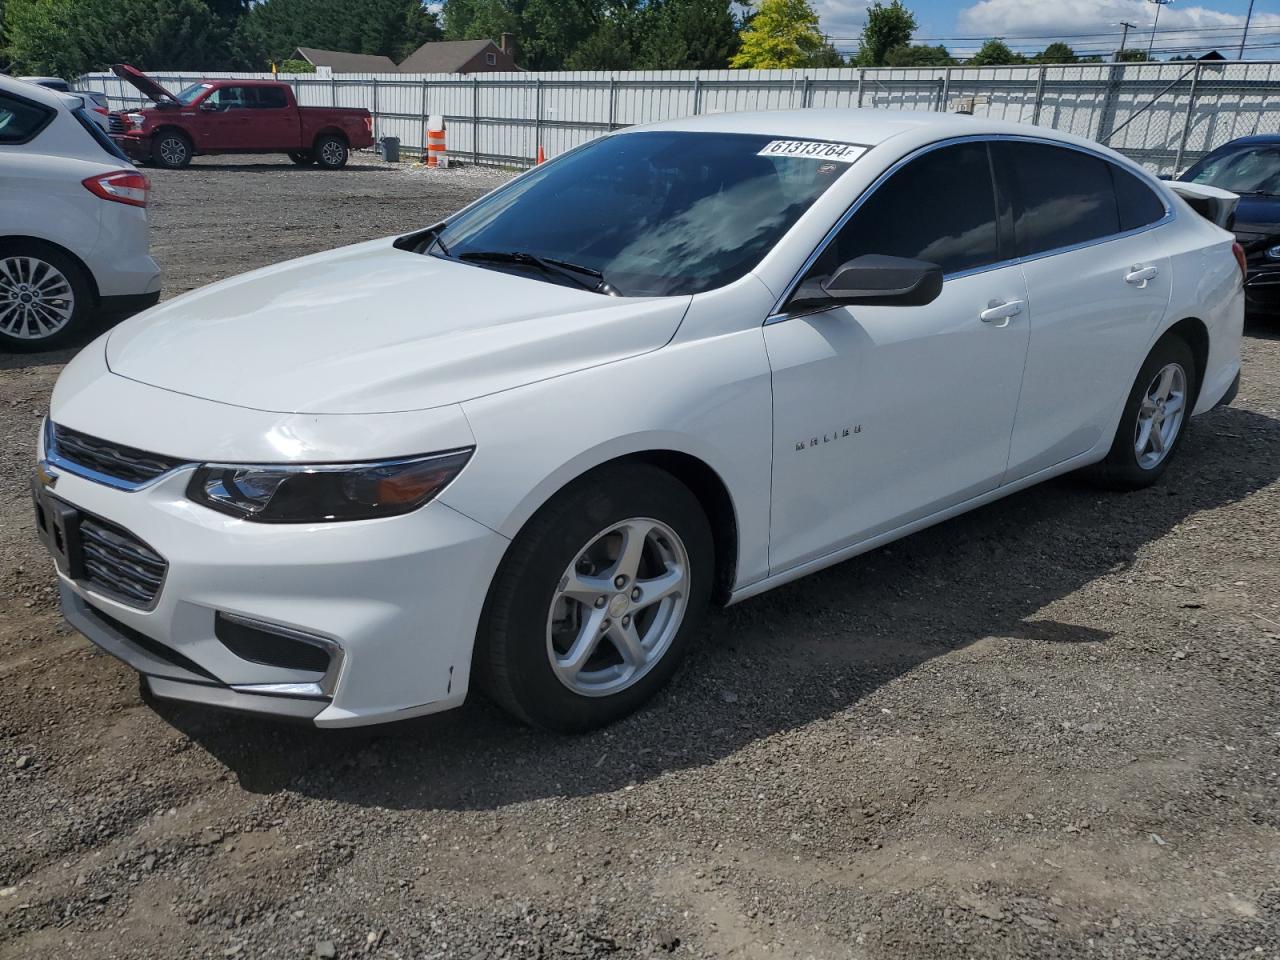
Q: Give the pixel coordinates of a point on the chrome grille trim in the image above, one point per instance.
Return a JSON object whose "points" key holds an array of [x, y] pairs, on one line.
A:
{"points": [[112, 464]]}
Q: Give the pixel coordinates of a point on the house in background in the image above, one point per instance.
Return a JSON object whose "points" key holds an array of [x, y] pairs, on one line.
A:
{"points": [[463, 56], [339, 61]]}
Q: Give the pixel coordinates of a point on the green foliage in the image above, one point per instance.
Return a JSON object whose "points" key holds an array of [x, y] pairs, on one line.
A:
{"points": [[782, 34], [995, 53], [69, 37], [1132, 55], [273, 29], [295, 66], [1056, 53], [918, 55], [887, 27]]}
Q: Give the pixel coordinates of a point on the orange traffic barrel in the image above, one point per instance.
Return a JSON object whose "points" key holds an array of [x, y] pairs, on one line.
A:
{"points": [[435, 149]]}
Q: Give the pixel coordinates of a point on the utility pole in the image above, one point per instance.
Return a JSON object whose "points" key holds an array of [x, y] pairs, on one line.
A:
{"points": [[1247, 17], [1115, 57], [1159, 4]]}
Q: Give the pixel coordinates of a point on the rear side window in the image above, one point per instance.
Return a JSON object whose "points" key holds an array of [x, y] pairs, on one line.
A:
{"points": [[940, 207], [1062, 197], [267, 98], [21, 120], [1138, 204]]}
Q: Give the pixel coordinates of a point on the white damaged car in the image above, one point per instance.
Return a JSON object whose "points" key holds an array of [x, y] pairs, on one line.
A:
{"points": [[528, 447]]}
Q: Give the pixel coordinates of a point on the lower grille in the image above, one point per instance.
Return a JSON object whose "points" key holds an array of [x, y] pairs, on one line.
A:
{"points": [[119, 564], [115, 123]]}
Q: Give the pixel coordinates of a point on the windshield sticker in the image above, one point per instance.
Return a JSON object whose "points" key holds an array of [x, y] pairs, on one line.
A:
{"points": [[813, 150]]}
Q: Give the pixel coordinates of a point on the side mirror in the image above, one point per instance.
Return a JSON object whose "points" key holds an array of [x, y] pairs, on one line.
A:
{"points": [[873, 279]]}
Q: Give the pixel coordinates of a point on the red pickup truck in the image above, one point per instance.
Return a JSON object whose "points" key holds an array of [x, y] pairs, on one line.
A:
{"points": [[235, 116]]}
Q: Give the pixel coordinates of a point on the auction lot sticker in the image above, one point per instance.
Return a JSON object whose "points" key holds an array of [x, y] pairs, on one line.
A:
{"points": [[813, 150]]}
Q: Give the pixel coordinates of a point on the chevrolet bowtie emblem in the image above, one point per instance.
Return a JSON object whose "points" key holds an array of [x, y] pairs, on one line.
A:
{"points": [[46, 476]]}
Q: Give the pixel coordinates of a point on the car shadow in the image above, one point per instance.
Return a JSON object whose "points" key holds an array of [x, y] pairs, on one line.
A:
{"points": [[363, 165], [797, 654]]}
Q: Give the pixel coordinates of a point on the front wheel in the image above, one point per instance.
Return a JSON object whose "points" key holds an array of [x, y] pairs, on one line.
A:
{"points": [[171, 150], [597, 600], [331, 152], [1154, 419]]}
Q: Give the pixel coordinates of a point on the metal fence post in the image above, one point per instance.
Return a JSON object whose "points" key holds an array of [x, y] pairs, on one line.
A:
{"points": [[806, 92], [1186, 122], [697, 95], [862, 76], [333, 90], [475, 121], [375, 108], [423, 142], [1035, 111], [537, 117], [613, 100], [946, 91]]}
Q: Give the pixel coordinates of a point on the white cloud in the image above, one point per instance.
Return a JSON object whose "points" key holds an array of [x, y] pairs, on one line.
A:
{"points": [[841, 18], [1207, 28]]}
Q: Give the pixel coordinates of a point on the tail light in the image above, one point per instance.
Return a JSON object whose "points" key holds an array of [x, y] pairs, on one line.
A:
{"points": [[123, 186], [1240, 260], [102, 110], [368, 125]]}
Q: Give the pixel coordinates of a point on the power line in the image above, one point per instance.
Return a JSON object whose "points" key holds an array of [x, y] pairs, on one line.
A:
{"points": [[1070, 36]]}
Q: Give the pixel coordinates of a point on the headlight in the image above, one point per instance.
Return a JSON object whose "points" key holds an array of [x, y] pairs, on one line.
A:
{"points": [[1273, 253], [311, 493], [136, 120]]}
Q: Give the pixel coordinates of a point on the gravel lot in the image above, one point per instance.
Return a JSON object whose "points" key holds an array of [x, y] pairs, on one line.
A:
{"points": [[1047, 728]]}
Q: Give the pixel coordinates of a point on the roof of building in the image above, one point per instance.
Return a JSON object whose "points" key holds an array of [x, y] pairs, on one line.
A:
{"points": [[342, 62], [444, 56]]}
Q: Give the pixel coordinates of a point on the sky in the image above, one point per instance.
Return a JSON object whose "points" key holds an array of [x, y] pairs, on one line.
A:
{"points": [[1183, 24]]}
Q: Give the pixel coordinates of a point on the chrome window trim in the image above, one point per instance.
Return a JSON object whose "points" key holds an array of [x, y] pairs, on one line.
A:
{"points": [[54, 459], [777, 314]]}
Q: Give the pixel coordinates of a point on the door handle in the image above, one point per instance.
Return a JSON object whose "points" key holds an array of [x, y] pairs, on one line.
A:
{"points": [[1138, 275], [1000, 312]]}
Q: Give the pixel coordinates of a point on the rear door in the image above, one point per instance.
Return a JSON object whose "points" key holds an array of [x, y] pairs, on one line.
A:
{"points": [[272, 120], [1098, 285]]}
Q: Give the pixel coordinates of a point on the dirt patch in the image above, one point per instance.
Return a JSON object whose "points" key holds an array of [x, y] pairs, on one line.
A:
{"points": [[1048, 727]]}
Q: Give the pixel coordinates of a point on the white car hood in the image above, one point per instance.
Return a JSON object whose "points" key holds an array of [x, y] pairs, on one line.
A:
{"points": [[374, 329]]}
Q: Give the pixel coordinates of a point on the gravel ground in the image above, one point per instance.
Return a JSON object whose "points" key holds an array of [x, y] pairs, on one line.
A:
{"points": [[1047, 728]]}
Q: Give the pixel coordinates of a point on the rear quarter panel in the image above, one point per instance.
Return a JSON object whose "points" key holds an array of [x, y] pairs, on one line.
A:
{"points": [[352, 123]]}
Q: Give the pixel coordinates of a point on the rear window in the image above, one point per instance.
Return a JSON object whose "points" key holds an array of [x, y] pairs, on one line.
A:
{"points": [[1138, 204], [21, 120], [267, 98]]}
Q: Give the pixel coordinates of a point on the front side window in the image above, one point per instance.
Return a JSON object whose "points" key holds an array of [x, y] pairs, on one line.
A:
{"points": [[1249, 170], [229, 98], [658, 213], [21, 120], [940, 207], [1062, 197]]}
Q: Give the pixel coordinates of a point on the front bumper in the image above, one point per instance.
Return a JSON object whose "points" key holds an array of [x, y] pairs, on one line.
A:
{"points": [[399, 598], [1262, 287]]}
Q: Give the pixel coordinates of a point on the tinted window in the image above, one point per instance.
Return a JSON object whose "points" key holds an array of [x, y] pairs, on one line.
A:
{"points": [[658, 213], [232, 98], [1063, 197], [267, 98], [1138, 204], [940, 208], [20, 120], [1254, 169]]}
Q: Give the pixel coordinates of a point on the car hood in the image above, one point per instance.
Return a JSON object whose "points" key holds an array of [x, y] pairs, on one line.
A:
{"points": [[149, 87], [375, 329]]}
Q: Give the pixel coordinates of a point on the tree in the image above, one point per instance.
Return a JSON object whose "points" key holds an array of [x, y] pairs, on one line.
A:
{"points": [[995, 53], [918, 55], [1058, 52], [689, 35], [887, 27], [549, 31], [782, 34], [1132, 55], [273, 29]]}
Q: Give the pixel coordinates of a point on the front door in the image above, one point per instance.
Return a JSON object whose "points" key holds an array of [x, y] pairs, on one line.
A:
{"points": [[888, 414], [225, 125]]}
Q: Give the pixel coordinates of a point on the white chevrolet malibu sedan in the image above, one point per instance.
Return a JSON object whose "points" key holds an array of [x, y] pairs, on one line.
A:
{"points": [[528, 447]]}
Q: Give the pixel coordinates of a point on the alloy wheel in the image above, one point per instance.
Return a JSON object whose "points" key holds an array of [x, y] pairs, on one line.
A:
{"points": [[1160, 416], [173, 150], [36, 299], [618, 607], [331, 152]]}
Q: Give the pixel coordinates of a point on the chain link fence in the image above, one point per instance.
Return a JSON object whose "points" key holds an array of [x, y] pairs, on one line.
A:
{"points": [[1163, 115]]}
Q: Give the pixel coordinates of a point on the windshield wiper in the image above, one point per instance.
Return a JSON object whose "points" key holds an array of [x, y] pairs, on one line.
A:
{"points": [[570, 271]]}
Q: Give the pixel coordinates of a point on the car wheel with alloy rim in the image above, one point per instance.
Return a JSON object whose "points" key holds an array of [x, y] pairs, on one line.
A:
{"points": [[597, 598], [44, 297], [171, 150], [330, 152]]}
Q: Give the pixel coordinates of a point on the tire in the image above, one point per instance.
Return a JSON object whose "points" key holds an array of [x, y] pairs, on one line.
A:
{"points": [[529, 618], [46, 299], [302, 158], [330, 151], [171, 149], [1169, 371]]}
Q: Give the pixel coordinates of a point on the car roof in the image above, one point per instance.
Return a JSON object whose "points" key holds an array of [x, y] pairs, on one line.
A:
{"points": [[867, 126], [1255, 138], [231, 82], [34, 92]]}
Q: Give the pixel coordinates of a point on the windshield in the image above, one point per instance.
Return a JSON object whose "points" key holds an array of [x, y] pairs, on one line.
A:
{"points": [[1250, 170], [655, 214], [193, 91]]}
